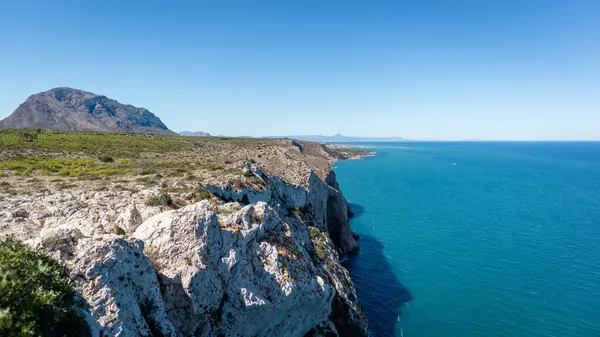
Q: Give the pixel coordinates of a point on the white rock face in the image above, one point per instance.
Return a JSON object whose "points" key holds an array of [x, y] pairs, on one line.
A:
{"points": [[321, 204], [250, 267], [326, 204], [129, 218], [90, 212], [119, 284], [240, 275]]}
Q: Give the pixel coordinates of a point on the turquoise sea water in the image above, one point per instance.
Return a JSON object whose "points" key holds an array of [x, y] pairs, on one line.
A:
{"points": [[477, 239]]}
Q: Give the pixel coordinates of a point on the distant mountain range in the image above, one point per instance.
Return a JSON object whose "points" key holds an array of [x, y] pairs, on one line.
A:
{"points": [[195, 133], [78, 110], [315, 138], [341, 138]]}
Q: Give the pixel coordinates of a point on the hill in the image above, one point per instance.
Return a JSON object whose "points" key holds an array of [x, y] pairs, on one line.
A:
{"points": [[78, 110]]}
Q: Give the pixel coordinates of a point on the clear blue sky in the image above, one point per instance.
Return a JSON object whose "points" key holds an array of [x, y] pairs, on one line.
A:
{"points": [[479, 69]]}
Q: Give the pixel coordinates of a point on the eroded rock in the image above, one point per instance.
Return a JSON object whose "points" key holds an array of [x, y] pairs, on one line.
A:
{"points": [[225, 275], [120, 286]]}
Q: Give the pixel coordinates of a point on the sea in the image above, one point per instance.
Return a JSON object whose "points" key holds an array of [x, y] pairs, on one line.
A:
{"points": [[477, 238]]}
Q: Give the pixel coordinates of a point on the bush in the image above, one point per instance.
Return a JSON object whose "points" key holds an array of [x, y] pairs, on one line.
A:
{"points": [[36, 298], [28, 136], [106, 159], [161, 199], [203, 193]]}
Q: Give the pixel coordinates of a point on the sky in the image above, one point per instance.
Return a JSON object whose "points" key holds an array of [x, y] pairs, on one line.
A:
{"points": [[443, 70]]}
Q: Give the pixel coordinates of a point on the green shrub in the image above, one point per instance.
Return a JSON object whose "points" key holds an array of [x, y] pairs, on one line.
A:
{"points": [[106, 159], [36, 298], [203, 193], [161, 199], [28, 136]]}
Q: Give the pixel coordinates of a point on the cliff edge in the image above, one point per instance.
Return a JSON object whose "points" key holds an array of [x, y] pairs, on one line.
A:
{"points": [[228, 237]]}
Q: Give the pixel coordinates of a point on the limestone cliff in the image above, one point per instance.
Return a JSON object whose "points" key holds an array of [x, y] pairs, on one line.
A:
{"points": [[318, 216], [259, 259]]}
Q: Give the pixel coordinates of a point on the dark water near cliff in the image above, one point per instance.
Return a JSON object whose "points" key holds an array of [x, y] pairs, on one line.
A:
{"points": [[505, 242]]}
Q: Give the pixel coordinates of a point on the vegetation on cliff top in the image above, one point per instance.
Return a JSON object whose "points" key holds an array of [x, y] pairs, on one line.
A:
{"points": [[30, 159], [86, 155]]}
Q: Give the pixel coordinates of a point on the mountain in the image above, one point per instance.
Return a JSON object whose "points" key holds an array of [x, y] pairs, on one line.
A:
{"points": [[78, 110], [195, 133], [340, 138]]}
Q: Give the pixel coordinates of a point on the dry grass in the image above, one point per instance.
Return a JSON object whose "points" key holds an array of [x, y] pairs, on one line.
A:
{"points": [[31, 158]]}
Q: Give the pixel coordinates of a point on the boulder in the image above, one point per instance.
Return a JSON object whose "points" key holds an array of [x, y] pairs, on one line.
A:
{"points": [[129, 218]]}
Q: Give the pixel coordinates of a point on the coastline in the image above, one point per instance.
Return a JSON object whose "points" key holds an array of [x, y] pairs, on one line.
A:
{"points": [[347, 151], [361, 156]]}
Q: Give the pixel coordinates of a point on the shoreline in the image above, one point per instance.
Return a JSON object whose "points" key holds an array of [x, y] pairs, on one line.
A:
{"points": [[361, 156], [341, 152]]}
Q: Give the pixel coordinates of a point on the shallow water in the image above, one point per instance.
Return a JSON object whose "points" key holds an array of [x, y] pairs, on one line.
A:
{"points": [[477, 239]]}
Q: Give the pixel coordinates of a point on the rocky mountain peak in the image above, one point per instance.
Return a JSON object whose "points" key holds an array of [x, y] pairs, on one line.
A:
{"points": [[78, 110]]}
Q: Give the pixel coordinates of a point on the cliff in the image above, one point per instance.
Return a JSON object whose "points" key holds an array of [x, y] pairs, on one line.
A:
{"points": [[258, 256]]}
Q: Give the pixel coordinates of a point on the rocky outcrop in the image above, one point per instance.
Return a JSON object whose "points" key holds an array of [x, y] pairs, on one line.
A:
{"points": [[321, 206], [225, 276], [120, 286], [77, 110], [90, 212], [320, 202], [260, 260]]}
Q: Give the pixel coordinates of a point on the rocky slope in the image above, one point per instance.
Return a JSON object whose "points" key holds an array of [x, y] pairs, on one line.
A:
{"points": [[254, 259], [77, 110]]}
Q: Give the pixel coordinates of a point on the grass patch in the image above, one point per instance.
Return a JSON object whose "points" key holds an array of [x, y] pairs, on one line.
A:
{"points": [[225, 211], [163, 198], [65, 186], [147, 181], [319, 242], [198, 194], [126, 188]]}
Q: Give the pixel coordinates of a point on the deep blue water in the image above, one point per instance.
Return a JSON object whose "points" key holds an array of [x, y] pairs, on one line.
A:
{"points": [[477, 239]]}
